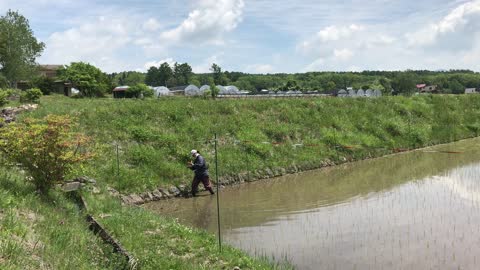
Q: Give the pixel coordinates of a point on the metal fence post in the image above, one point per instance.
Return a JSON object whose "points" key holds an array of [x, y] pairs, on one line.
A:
{"points": [[218, 196]]}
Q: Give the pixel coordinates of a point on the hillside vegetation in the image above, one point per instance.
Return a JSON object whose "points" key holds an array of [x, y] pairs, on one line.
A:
{"points": [[50, 232], [154, 136]]}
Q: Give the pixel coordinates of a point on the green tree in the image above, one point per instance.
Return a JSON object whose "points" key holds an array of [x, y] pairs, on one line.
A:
{"points": [[134, 77], [18, 48], [165, 74], [214, 90], [331, 86], [218, 76], [182, 73], [90, 80], [152, 77], [386, 84], [456, 87], [290, 85], [244, 84], [404, 83], [3, 82]]}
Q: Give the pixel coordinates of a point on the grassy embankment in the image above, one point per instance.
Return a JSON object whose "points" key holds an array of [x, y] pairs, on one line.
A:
{"points": [[51, 233], [155, 136], [45, 233]]}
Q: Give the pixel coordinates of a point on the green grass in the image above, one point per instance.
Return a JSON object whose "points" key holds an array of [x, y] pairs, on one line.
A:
{"points": [[163, 243], [45, 232], [51, 233], [155, 136], [154, 139]]}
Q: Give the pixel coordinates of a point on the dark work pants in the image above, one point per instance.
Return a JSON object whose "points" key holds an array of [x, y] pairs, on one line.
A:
{"points": [[205, 181]]}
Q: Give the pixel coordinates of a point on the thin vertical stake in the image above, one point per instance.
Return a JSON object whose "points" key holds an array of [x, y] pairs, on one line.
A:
{"points": [[248, 163], [218, 196], [335, 146], [410, 128], [118, 165]]}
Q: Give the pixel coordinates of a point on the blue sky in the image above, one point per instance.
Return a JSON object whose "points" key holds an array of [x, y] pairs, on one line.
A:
{"points": [[258, 36]]}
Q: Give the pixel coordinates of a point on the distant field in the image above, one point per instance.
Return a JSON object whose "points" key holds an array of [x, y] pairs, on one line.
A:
{"points": [[154, 136]]}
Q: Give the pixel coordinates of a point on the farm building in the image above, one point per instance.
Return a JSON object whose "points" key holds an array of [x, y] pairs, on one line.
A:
{"points": [[423, 88], [470, 90], [120, 91], [161, 91], [51, 72]]}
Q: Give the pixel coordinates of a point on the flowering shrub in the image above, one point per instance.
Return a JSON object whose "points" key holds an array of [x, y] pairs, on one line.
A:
{"points": [[47, 149]]}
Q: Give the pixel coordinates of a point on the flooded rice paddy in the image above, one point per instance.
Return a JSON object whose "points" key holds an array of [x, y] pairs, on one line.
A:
{"points": [[418, 210]]}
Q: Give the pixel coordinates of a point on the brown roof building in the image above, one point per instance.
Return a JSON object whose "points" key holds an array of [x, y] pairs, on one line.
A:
{"points": [[49, 71]]}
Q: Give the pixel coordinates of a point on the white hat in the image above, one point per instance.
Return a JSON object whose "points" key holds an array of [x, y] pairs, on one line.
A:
{"points": [[193, 151]]}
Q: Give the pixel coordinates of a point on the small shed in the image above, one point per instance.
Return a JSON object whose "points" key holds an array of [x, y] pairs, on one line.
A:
{"points": [[423, 88], [120, 91], [470, 90]]}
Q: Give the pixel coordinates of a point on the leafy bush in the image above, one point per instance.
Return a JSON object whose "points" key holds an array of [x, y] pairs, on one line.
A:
{"points": [[3, 97], [31, 95], [138, 90], [45, 84], [47, 150]]}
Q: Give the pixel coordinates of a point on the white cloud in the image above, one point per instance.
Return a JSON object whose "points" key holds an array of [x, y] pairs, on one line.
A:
{"points": [[334, 33], [169, 60], [94, 42], [343, 54], [329, 38], [207, 23], [151, 25], [463, 20], [259, 69], [205, 66], [103, 41], [380, 40], [318, 64], [428, 34]]}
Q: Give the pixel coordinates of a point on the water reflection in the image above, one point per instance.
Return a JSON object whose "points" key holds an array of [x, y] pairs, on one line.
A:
{"points": [[417, 210]]}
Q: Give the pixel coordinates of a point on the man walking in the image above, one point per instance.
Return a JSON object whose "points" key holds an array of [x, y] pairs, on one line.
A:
{"points": [[199, 166]]}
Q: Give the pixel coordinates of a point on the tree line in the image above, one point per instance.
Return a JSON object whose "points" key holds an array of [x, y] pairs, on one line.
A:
{"points": [[390, 82]]}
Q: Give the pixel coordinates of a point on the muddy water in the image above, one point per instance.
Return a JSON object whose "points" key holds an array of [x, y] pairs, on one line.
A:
{"points": [[418, 210]]}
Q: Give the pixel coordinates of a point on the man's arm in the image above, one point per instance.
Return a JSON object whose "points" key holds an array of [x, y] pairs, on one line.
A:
{"points": [[199, 163]]}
